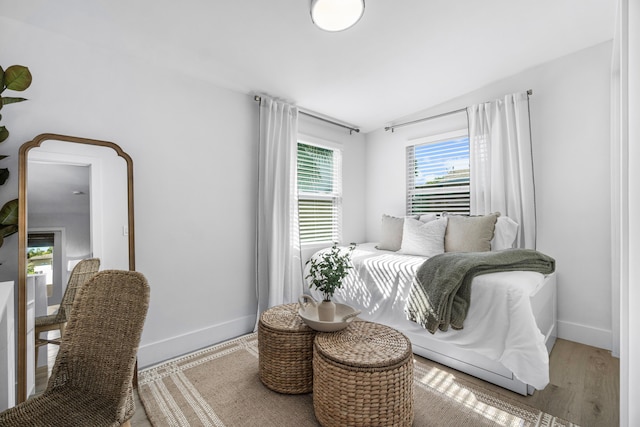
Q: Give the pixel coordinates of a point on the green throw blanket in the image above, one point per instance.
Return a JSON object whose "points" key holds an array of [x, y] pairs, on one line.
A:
{"points": [[442, 293]]}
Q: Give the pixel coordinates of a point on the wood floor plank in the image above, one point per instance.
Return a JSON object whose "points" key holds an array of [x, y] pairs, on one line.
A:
{"points": [[567, 375], [601, 390]]}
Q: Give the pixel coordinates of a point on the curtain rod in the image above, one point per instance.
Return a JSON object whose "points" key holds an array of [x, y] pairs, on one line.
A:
{"points": [[351, 128], [392, 127]]}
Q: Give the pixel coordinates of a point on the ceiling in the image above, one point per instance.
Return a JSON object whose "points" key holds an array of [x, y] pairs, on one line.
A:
{"points": [[58, 189], [402, 57]]}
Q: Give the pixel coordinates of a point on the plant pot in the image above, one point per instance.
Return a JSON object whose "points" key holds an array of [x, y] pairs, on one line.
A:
{"points": [[326, 311]]}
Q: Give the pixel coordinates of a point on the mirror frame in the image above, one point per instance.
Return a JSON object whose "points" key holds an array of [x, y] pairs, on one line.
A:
{"points": [[22, 236]]}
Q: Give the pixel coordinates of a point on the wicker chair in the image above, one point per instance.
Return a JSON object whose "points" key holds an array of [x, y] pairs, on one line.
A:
{"points": [[91, 382], [82, 272]]}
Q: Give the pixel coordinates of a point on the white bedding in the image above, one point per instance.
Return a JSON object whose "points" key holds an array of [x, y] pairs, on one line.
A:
{"points": [[500, 324]]}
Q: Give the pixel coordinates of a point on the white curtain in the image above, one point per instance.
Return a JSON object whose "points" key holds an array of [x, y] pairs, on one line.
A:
{"points": [[279, 269], [502, 163]]}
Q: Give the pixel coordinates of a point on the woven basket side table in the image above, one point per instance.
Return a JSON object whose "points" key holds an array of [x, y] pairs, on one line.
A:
{"points": [[285, 350], [363, 376]]}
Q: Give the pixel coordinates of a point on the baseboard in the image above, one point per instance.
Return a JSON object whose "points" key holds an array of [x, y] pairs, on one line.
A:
{"points": [[161, 351], [583, 334]]}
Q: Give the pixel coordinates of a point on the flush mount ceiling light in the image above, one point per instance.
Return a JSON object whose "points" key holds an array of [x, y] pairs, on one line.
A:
{"points": [[336, 15]]}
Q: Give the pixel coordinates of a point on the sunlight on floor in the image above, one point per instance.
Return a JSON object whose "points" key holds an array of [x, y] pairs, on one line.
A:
{"points": [[446, 383]]}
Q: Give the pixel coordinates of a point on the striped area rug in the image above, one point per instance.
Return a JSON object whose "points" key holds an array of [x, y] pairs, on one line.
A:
{"points": [[219, 386]]}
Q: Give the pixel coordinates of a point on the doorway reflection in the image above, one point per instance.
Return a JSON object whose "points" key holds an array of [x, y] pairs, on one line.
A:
{"points": [[59, 234], [40, 268]]}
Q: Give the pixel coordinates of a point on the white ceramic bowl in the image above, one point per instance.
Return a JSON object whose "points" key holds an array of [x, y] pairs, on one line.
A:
{"points": [[344, 315]]}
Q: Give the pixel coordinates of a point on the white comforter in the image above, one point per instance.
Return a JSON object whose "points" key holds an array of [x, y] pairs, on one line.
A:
{"points": [[500, 324]]}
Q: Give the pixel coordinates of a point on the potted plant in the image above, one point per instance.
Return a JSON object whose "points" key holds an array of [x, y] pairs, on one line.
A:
{"points": [[326, 274]]}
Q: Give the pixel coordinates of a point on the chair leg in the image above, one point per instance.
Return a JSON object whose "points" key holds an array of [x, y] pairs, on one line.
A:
{"points": [[61, 327], [35, 346]]}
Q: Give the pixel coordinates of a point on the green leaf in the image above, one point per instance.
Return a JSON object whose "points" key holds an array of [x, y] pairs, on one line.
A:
{"points": [[8, 230], [2, 156], [11, 100], [4, 133], [1, 79], [9, 213], [17, 77], [4, 175], [328, 270]]}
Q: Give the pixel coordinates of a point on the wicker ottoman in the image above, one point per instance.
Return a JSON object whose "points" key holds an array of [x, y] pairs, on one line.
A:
{"points": [[285, 346], [363, 376]]}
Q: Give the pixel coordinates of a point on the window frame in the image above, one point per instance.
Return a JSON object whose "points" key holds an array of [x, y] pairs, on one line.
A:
{"points": [[432, 139], [336, 196]]}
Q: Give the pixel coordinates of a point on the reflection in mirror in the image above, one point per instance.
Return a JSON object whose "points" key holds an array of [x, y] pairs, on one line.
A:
{"points": [[58, 222], [76, 202]]}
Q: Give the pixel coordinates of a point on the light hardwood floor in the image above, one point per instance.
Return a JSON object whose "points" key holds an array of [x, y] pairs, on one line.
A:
{"points": [[584, 387]]}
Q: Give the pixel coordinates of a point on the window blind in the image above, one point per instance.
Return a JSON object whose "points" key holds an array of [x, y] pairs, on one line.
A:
{"points": [[319, 193], [438, 177], [40, 240]]}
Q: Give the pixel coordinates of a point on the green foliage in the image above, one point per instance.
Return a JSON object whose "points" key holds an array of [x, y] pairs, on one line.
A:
{"points": [[315, 169], [17, 78], [327, 272], [36, 252], [8, 219], [39, 251], [4, 175]]}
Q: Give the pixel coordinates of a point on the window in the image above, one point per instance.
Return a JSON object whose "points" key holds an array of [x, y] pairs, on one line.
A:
{"points": [[319, 193], [40, 254], [438, 175]]}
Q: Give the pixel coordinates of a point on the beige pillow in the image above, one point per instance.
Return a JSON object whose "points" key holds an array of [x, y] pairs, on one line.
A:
{"points": [[391, 232], [470, 233]]}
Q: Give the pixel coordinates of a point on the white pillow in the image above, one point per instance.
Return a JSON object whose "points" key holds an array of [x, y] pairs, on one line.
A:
{"points": [[424, 239], [391, 233], [505, 234], [428, 217]]}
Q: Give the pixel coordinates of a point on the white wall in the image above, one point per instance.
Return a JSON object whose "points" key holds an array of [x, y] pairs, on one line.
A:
{"points": [[194, 151], [633, 353], [570, 130], [626, 153]]}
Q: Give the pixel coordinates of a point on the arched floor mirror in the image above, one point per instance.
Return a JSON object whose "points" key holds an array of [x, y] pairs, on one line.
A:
{"points": [[52, 205]]}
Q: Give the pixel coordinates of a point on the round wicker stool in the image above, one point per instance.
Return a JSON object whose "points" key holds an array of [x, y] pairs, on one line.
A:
{"points": [[285, 347], [363, 376]]}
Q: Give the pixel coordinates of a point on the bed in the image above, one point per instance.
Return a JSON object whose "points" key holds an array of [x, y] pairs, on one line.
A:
{"points": [[508, 333]]}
